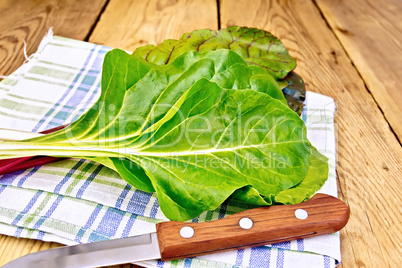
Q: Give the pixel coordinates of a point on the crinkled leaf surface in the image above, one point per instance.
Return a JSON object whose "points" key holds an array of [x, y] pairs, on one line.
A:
{"points": [[257, 47], [194, 131]]}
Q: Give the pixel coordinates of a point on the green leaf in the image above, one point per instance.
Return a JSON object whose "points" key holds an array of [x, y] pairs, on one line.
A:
{"points": [[249, 195], [316, 176], [194, 130], [257, 47]]}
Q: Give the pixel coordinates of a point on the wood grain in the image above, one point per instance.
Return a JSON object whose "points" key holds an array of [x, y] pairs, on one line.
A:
{"points": [[130, 24], [30, 20], [369, 155], [12, 248], [371, 31], [326, 215]]}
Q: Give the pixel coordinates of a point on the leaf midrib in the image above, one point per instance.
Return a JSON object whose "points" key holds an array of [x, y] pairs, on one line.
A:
{"points": [[103, 151]]}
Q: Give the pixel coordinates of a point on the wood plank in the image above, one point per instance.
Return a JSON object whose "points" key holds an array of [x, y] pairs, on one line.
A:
{"points": [[370, 31], [369, 157], [12, 248], [30, 20], [128, 25]]}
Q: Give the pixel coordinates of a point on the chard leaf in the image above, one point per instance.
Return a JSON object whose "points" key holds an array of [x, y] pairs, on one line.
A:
{"points": [[249, 195], [316, 176], [194, 131], [257, 47]]}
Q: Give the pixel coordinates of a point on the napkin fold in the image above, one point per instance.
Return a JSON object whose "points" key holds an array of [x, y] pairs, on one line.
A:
{"points": [[79, 201]]}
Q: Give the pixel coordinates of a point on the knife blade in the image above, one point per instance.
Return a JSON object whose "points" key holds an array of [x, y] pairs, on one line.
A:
{"points": [[322, 214]]}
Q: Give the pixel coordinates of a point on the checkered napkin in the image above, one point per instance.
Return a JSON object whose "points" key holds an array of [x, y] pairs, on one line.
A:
{"points": [[78, 201]]}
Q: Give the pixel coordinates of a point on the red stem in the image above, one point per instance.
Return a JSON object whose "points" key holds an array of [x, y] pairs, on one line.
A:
{"points": [[21, 163]]}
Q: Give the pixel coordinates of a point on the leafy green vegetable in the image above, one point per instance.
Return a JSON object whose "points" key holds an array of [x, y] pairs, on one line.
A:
{"points": [[316, 176], [195, 131], [257, 47]]}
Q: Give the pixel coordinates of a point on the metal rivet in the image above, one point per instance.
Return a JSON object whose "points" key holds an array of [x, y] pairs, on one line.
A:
{"points": [[246, 223], [186, 232], [301, 214]]}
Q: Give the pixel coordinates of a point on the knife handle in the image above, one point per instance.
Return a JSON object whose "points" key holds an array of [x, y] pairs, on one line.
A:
{"points": [[322, 214]]}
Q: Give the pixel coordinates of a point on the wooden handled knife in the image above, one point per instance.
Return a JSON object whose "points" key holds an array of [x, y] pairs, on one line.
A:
{"points": [[322, 214]]}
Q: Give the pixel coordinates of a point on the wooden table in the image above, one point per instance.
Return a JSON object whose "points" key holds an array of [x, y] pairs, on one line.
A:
{"points": [[349, 50]]}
